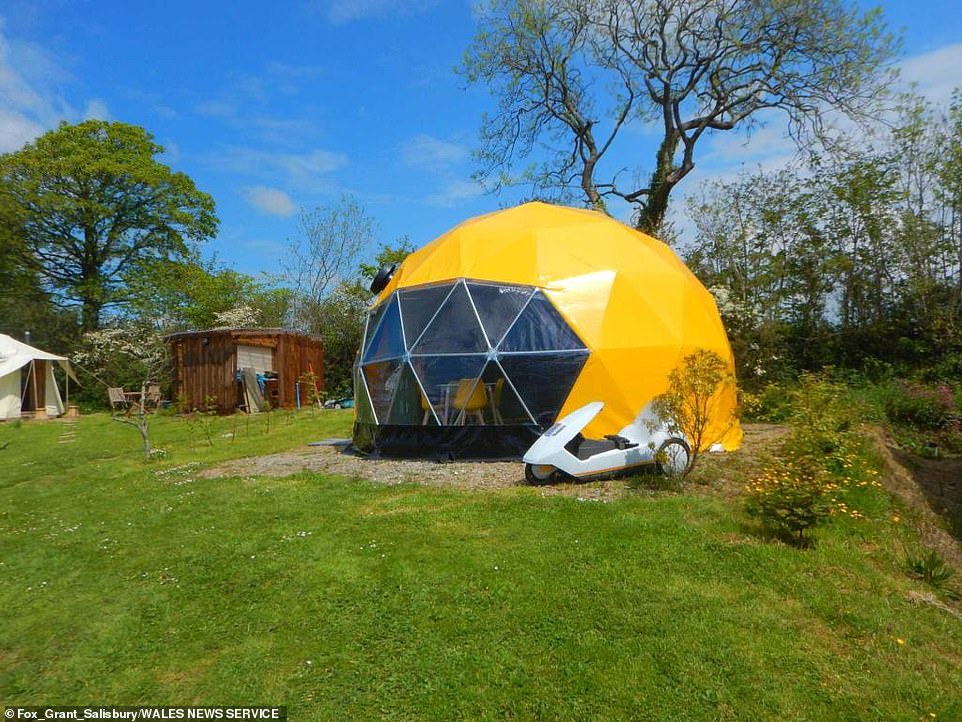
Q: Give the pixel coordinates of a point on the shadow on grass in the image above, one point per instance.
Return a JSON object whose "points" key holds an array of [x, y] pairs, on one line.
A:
{"points": [[770, 534], [653, 481]]}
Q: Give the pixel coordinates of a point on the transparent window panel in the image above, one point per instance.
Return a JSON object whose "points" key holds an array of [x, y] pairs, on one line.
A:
{"points": [[498, 306], [362, 402], [491, 400], [410, 407], [544, 380], [387, 341], [374, 318], [540, 328], [382, 379], [418, 306], [455, 329], [443, 376]]}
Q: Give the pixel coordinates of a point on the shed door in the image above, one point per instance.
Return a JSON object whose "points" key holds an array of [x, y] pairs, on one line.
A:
{"points": [[255, 357]]}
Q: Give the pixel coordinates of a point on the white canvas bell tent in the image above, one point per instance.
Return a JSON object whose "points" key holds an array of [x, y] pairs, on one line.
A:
{"points": [[27, 383]]}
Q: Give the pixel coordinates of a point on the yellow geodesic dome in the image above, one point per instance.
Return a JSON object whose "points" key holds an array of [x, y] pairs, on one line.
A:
{"points": [[602, 312]]}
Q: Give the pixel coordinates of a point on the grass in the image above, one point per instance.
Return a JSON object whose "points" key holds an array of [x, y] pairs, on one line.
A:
{"points": [[124, 582]]}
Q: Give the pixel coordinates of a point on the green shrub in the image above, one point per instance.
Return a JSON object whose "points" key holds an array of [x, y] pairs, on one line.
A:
{"points": [[693, 404], [948, 369], [825, 423], [928, 407], [773, 404], [820, 466], [929, 567], [791, 496]]}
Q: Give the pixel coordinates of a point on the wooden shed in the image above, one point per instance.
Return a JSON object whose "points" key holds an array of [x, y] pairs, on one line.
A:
{"points": [[208, 365]]}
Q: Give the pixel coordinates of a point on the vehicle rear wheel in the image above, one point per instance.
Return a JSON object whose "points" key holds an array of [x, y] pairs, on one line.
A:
{"points": [[538, 474], [673, 457]]}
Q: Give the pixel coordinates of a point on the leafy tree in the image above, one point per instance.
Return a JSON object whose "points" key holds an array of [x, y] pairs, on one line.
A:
{"points": [[570, 75], [855, 256], [24, 305], [948, 190], [388, 253], [330, 287], [86, 202], [691, 404], [129, 353], [761, 251], [26, 308], [339, 318], [191, 293], [332, 241]]}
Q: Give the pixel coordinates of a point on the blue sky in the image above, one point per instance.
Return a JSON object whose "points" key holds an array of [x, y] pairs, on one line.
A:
{"points": [[274, 106]]}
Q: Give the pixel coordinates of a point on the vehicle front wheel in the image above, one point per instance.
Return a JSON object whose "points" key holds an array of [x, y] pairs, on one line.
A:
{"points": [[673, 457], [539, 474]]}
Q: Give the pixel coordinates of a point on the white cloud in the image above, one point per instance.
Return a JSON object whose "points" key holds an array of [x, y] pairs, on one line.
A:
{"points": [[287, 71], [445, 161], [247, 103], [261, 246], [217, 108], [279, 130], [430, 153], [28, 105], [96, 110], [455, 193], [766, 140], [340, 12], [935, 74], [316, 162], [31, 99], [16, 130], [271, 201], [172, 152], [307, 171]]}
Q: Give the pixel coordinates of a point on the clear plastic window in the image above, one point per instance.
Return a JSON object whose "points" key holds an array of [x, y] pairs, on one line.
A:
{"points": [[544, 380], [540, 328], [467, 352], [455, 328], [498, 307], [418, 307], [387, 341], [382, 380], [446, 379]]}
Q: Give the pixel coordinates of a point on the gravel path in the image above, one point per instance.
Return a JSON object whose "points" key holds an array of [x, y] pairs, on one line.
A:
{"points": [[472, 475]]}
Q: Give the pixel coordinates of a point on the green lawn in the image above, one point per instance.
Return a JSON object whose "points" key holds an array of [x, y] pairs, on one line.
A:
{"points": [[123, 582]]}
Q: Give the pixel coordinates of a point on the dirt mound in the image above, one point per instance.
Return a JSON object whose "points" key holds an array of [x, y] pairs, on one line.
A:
{"points": [[932, 491]]}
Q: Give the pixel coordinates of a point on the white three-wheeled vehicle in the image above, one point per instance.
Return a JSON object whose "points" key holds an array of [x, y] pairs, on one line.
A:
{"points": [[562, 451]]}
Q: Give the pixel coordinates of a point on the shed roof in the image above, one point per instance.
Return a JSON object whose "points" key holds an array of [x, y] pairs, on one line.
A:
{"points": [[241, 332]]}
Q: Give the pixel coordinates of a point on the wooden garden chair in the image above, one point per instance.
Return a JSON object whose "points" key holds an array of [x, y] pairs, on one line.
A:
{"points": [[118, 399], [152, 396]]}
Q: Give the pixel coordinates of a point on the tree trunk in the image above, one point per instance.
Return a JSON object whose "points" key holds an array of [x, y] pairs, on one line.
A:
{"points": [[588, 186], [141, 421], [90, 314], [656, 205]]}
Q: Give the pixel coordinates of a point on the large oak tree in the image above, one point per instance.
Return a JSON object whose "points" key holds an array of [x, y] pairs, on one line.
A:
{"points": [[84, 203], [571, 75]]}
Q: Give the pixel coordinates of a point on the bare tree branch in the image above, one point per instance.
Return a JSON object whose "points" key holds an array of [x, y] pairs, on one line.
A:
{"points": [[569, 75]]}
